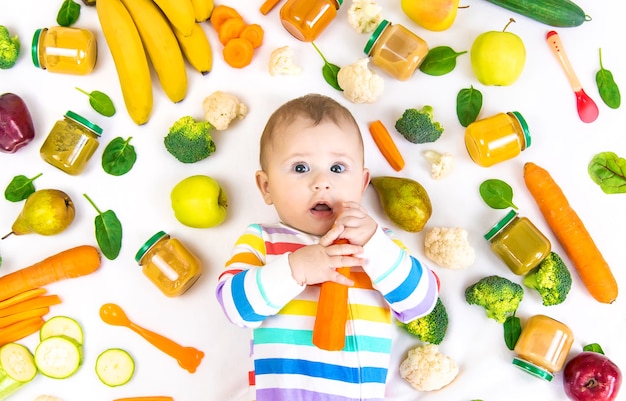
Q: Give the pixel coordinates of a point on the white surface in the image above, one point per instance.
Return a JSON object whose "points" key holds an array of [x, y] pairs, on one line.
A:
{"points": [[561, 143]]}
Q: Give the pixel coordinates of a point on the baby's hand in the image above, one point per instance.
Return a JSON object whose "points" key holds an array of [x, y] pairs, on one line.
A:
{"points": [[358, 226], [316, 264]]}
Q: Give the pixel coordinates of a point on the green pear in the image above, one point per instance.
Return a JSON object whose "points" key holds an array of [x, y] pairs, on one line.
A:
{"points": [[404, 201], [45, 212]]}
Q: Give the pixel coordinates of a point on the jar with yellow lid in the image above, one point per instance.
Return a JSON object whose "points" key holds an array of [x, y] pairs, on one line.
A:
{"points": [[306, 19], [71, 143], [170, 266], [543, 346], [396, 50], [518, 243], [497, 138], [64, 50]]}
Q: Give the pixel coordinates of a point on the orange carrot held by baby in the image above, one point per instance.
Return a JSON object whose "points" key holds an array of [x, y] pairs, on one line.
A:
{"points": [[571, 233]]}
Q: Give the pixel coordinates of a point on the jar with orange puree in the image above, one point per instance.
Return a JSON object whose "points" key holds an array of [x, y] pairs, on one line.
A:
{"points": [[64, 50], [306, 19]]}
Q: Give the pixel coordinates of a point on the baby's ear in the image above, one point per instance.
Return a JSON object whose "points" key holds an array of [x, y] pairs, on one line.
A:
{"points": [[262, 182], [366, 179]]}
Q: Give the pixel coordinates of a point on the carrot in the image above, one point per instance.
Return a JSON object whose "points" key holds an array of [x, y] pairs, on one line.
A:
{"points": [[238, 52], [230, 29], [22, 296], [71, 263], [222, 13], [33, 303], [20, 330], [18, 317], [146, 398], [254, 33], [571, 234], [386, 145], [267, 6], [329, 330]]}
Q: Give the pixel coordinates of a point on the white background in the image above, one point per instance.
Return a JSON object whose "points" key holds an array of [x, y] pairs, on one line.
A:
{"points": [[561, 143]]}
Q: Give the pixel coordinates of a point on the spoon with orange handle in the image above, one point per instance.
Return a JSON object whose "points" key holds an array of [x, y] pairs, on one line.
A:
{"points": [[188, 357]]}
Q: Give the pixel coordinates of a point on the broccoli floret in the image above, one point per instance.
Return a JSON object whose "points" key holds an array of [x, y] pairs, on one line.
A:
{"points": [[418, 126], [432, 327], [189, 140], [551, 278], [9, 48], [499, 296]]}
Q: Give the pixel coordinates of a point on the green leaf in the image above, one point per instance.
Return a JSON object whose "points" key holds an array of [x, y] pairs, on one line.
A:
{"points": [[609, 91], [469, 101], [440, 60], [20, 188], [497, 194], [512, 331], [68, 13], [595, 347], [608, 170], [119, 156], [329, 71], [100, 102], [108, 232]]}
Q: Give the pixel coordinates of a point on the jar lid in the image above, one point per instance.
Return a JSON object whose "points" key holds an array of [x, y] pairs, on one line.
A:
{"points": [[35, 47], [149, 244], [533, 369], [524, 125], [501, 224], [84, 122], [375, 35]]}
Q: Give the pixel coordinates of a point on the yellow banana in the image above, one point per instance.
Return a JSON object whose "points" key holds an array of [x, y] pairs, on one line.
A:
{"points": [[180, 13], [161, 46], [196, 48], [202, 9], [129, 57]]}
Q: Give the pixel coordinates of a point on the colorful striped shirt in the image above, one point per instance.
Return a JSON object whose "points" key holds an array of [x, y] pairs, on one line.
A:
{"points": [[257, 291]]}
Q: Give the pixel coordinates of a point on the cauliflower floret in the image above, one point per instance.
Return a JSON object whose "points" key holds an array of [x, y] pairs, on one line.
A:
{"points": [[449, 247], [359, 83], [281, 62], [441, 164], [426, 369], [221, 108], [364, 15]]}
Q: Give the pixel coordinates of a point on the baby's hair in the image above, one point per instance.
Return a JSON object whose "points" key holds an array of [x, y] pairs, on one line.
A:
{"points": [[314, 107]]}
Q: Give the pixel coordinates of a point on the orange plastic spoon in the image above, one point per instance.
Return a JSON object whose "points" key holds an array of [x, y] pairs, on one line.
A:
{"points": [[188, 357]]}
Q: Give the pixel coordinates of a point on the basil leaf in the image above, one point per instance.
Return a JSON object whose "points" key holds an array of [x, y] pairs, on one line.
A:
{"points": [[609, 91], [512, 331], [119, 156], [497, 194], [440, 60], [108, 232], [469, 101], [68, 13], [608, 170], [329, 71], [20, 188], [595, 347], [100, 102]]}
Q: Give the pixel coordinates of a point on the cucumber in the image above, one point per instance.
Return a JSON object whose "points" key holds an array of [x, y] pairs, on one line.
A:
{"points": [[17, 368], [560, 13], [115, 367], [61, 325], [58, 357]]}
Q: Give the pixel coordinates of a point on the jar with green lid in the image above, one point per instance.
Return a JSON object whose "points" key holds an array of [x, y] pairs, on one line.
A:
{"points": [[306, 19], [396, 50], [71, 143], [64, 50], [169, 265], [518, 243], [497, 138]]}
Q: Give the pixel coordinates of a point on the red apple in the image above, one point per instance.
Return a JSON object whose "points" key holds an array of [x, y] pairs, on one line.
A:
{"points": [[591, 376], [16, 124]]}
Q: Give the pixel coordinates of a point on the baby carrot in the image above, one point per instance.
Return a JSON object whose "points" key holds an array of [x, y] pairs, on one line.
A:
{"points": [[571, 234], [18, 317], [386, 145], [19, 330], [238, 52], [22, 296], [33, 303]]}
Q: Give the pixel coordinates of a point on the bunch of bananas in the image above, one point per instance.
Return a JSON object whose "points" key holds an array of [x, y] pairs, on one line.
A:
{"points": [[166, 32]]}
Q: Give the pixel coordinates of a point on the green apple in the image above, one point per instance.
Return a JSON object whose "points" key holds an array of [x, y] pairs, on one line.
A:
{"points": [[199, 201], [498, 57]]}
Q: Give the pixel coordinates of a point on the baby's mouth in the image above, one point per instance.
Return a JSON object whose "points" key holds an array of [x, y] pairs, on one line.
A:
{"points": [[322, 208]]}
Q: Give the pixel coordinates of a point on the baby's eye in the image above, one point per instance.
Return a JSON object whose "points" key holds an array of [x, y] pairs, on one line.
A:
{"points": [[337, 168], [301, 168]]}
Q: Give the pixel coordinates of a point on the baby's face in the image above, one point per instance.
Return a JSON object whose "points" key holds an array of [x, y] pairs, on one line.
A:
{"points": [[311, 171]]}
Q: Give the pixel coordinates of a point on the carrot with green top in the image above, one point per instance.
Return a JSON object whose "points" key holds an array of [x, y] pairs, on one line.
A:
{"points": [[386, 145]]}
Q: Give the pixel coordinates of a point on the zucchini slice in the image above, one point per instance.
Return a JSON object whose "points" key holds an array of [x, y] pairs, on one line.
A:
{"points": [[58, 357], [17, 363], [61, 326], [115, 367]]}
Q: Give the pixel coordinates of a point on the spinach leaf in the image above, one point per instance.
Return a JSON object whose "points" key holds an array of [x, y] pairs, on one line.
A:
{"points": [[497, 194], [469, 101], [608, 170], [609, 91], [100, 102], [20, 188], [512, 331], [119, 156], [108, 231], [68, 13], [440, 60], [595, 347], [329, 71]]}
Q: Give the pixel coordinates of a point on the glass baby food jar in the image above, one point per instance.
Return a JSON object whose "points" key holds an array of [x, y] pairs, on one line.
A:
{"points": [[306, 19], [497, 138], [518, 243], [543, 346], [168, 264], [396, 50], [64, 50], [71, 143]]}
